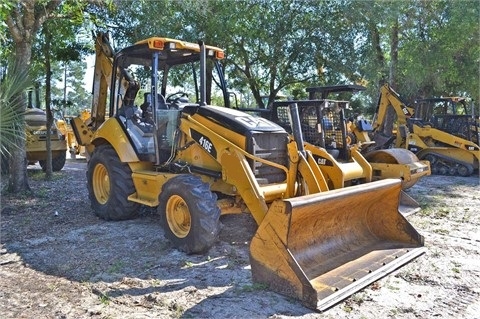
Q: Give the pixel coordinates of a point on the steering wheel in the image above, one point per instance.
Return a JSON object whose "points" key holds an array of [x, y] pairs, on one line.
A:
{"points": [[175, 96]]}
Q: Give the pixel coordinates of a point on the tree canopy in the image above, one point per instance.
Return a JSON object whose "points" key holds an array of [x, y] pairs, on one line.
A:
{"points": [[422, 48]]}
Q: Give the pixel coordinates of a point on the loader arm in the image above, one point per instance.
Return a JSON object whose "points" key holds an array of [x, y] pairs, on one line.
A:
{"points": [[236, 170]]}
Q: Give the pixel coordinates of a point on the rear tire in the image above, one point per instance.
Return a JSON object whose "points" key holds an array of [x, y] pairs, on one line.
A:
{"points": [[58, 162], [189, 214], [109, 183]]}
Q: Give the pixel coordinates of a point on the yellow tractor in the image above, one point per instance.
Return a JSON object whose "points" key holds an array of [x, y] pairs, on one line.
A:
{"points": [[195, 162], [337, 137], [65, 127], [36, 143], [447, 141]]}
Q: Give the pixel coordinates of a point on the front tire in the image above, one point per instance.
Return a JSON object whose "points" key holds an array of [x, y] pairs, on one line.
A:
{"points": [[189, 214], [109, 183]]}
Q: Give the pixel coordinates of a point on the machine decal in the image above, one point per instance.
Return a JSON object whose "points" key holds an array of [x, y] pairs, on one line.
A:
{"points": [[253, 122], [204, 142], [322, 160]]}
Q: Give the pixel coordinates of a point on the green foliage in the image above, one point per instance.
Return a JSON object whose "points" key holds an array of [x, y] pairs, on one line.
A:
{"points": [[281, 47], [5, 7], [13, 86]]}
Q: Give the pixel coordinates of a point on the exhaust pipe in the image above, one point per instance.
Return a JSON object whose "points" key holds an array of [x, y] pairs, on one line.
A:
{"points": [[203, 73]]}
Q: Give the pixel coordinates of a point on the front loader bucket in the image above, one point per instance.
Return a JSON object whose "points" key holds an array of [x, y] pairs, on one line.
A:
{"points": [[324, 247]]}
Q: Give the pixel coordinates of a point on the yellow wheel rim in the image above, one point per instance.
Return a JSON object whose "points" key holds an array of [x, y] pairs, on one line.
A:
{"points": [[178, 216], [101, 183]]}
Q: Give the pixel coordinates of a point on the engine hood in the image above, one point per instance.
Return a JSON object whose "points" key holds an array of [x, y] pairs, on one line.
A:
{"points": [[236, 120]]}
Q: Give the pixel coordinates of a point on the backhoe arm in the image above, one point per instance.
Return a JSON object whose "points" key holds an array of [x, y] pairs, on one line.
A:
{"points": [[101, 79], [388, 97]]}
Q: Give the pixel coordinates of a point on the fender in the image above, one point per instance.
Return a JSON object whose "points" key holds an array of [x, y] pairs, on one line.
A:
{"points": [[115, 135]]}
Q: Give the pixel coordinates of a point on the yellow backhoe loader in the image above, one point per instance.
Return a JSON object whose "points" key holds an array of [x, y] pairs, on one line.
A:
{"points": [[447, 141], [65, 127], [36, 143], [337, 137], [324, 131], [195, 162]]}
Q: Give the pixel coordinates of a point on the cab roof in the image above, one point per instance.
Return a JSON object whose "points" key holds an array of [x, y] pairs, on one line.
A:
{"points": [[171, 52]]}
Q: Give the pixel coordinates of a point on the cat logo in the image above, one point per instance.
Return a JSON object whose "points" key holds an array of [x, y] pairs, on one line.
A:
{"points": [[321, 161]]}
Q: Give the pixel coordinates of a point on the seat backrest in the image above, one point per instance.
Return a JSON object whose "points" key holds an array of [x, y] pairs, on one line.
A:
{"points": [[162, 102], [364, 126], [147, 102], [131, 93]]}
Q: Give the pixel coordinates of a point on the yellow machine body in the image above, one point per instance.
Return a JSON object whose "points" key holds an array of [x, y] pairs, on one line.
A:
{"points": [[446, 152], [198, 162], [36, 143]]}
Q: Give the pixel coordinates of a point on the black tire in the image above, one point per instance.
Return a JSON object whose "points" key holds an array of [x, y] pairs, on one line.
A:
{"points": [[431, 158], [465, 170], [59, 162], [109, 183], [43, 164], [189, 214]]}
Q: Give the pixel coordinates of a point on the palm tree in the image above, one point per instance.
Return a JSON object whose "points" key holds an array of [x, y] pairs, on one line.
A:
{"points": [[13, 85]]}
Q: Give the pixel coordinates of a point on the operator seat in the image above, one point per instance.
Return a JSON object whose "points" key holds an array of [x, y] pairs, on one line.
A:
{"points": [[147, 103]]}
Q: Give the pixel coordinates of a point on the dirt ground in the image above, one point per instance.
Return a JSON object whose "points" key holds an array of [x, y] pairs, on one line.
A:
{"points": [[58, 260]]}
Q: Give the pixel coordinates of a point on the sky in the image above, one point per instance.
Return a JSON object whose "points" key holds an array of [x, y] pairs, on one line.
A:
{"points": [[89, 72]]}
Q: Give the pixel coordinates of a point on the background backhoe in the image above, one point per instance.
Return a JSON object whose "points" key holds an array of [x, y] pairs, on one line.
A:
{"points": [[337, 136], [447, 141], [195, 162]]}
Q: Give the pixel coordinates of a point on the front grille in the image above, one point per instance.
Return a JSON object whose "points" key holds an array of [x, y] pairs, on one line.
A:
{"points": [[271, 146]]}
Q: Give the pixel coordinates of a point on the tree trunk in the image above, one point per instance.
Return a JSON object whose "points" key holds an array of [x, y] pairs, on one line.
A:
{"points": [[23, 21], [390, 115], [18, 181], [48, 100]]}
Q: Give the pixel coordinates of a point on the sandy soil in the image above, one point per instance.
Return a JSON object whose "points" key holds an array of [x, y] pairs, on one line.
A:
{"points": [[58, 260]]}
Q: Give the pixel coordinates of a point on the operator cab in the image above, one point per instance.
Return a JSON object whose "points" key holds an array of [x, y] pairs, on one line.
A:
{"points": [[449, 114], [152, 83]]}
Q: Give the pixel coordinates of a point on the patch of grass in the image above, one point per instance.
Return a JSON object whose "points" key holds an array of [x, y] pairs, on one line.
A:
{"points": [[435, 253], [41, 192], [358, 298], [52, 286], [253, 287], [393, 288], [177, 309], [39, 176], [115, 267], [348, 308], [156, 283], [468, 215], [36, 175], [234, 259], [442, 213], [456, 267], [393, 312], [441, 231], [426, 211], [104, 298]]}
